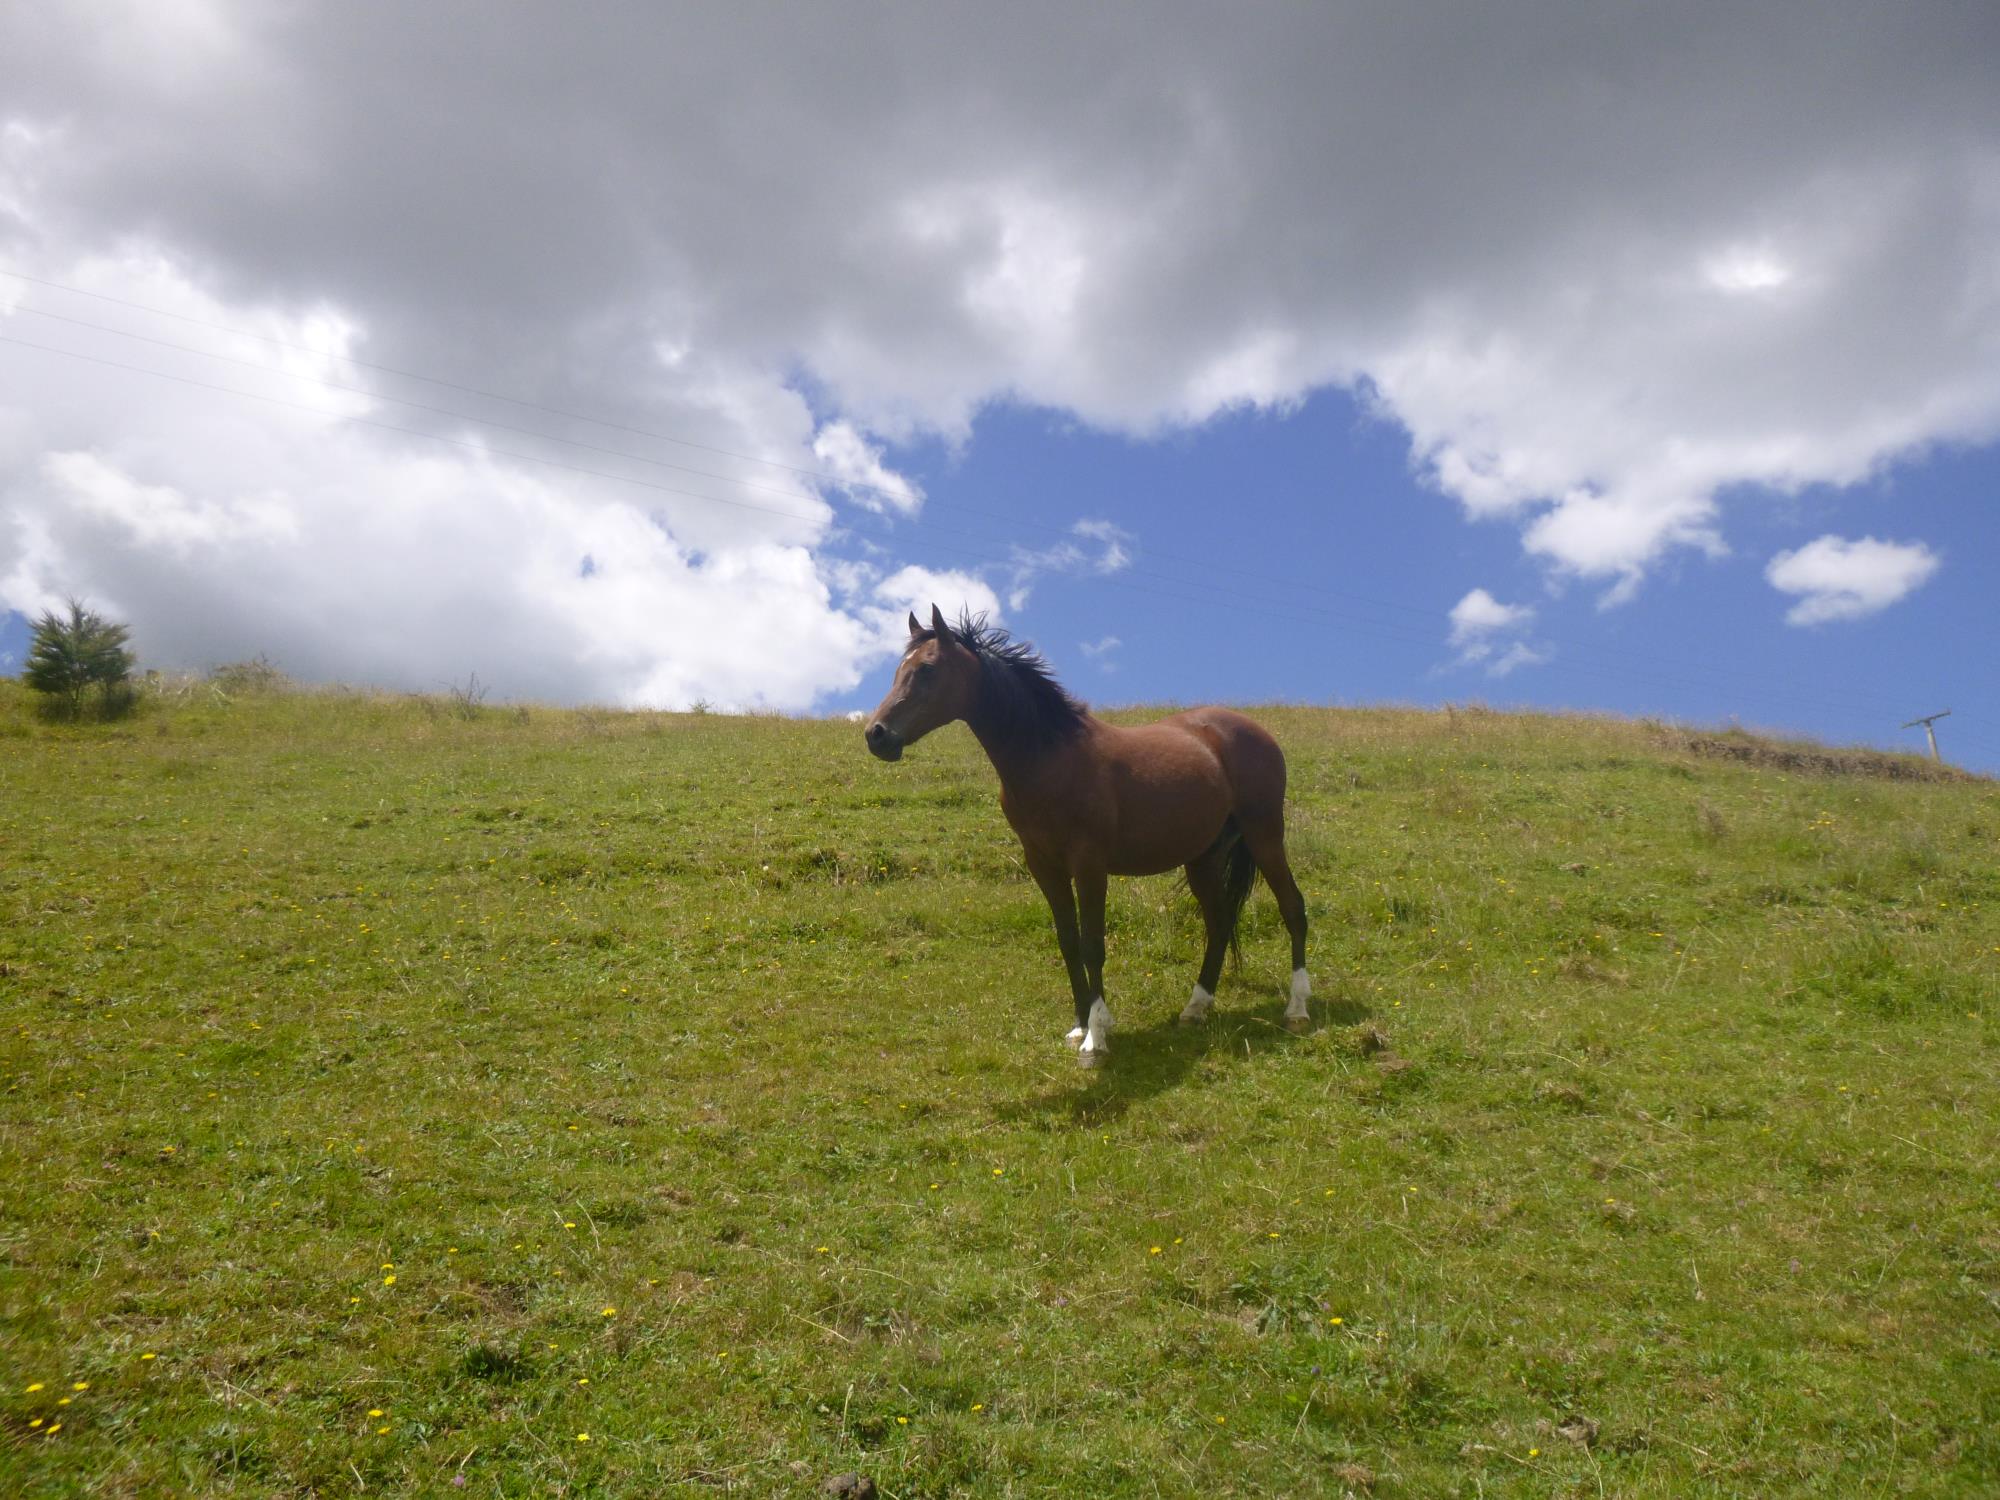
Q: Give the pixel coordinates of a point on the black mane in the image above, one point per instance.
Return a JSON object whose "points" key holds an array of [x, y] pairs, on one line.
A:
{"points": [[1020, 701]]}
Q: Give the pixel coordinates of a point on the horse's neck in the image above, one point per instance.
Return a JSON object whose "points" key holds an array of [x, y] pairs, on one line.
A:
{"points": [[1019, 758], [1014, 760], [1023, 765]]}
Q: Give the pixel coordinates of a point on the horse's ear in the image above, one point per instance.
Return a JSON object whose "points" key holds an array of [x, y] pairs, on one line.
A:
{"points": [[915, 629], [937, 623]]}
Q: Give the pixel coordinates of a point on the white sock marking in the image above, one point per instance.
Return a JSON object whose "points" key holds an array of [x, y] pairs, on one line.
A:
{"points": [[1197, 1006], [1302, 989], [1097, 1037]]}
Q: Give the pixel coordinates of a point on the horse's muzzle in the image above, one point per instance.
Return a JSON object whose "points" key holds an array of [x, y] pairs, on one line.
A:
{"points": [[883, 742]]}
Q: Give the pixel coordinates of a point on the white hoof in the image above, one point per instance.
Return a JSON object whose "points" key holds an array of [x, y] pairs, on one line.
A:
{"points": [[1074, 1036], [1097, 1036], [1298, 1014], [1196, 1010]]}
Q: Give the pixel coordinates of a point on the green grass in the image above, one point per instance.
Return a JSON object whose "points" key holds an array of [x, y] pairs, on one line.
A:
{"points": [[719, 1023]]}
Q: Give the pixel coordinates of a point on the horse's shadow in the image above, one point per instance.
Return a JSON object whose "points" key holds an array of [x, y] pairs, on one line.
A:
{"points": [[1147, 1061]]}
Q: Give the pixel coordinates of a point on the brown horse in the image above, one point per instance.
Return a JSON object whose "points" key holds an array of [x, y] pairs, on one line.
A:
{"points": [[1204, 790]]}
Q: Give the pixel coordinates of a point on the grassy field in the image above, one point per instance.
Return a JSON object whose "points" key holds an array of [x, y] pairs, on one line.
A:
{"points": [[407, 1100]]}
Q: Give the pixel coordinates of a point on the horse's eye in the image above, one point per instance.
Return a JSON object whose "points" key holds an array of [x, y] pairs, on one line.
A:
{"points": [[924, 670]]}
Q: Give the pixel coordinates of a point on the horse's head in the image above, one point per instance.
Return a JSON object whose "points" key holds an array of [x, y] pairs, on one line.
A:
{"points": [[935, 683]]}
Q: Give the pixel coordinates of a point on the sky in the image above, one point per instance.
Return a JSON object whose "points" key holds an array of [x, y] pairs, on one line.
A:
{"points": [[1642, 360]]}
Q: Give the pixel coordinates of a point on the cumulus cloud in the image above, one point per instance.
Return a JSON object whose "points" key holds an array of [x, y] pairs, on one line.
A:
{"points": [[1101, 651], [1838, 579], [1479, 616], [1489, 633], [855, 464], [912, 590], [1609, 278], [1067, 558]]}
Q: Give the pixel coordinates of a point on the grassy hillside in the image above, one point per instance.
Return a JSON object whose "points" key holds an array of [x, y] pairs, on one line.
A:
{"points": [[397, 1095]]}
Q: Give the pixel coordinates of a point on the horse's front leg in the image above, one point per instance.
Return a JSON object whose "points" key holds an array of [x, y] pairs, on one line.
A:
{"points": [[1055, 884], [1096, 1018]]}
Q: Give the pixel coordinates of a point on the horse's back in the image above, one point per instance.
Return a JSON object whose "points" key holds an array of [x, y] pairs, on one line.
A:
{"points": [[1249, 754]]}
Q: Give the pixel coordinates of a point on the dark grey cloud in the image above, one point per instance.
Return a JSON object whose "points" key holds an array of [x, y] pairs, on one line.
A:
{"points": [[1600, 263]]}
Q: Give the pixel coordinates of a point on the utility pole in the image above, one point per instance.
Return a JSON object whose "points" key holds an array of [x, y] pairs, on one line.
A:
{"points": [[1927, 722]]}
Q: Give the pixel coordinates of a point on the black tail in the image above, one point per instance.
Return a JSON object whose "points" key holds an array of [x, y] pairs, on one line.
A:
{"points": [[1239, 873]]}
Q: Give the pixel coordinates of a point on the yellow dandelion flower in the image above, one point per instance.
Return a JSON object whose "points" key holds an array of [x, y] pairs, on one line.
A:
{"points": [[1536, 1452], [35, 1387], [64, 1401], [584, 1380], [52, 1429], [149, 1356], [569, 1223], [1154, 1251], [376, 1411], [902, 1421], [81, 1385], [36, 1422], [381, 1432], [819, 1249], [388, 1281], [979, 1406], [610, 1312], [583, 1437], [1335, 1322]]}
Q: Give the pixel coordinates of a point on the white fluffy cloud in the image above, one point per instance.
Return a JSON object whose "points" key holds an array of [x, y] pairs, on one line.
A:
{"points": [[1608, 276], [913, 591], [223, 527], [1838, 579], [1491, 634], [1478, 616], [855, 464], [1103, 651], [1066, 558]]}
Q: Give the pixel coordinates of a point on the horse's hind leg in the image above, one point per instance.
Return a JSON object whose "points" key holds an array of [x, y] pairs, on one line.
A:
{"points": [[1206, 878], [1266, 839]]}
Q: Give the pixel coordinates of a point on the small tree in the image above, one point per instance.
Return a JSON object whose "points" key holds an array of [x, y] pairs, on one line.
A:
{"points": [[69, 656]]}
